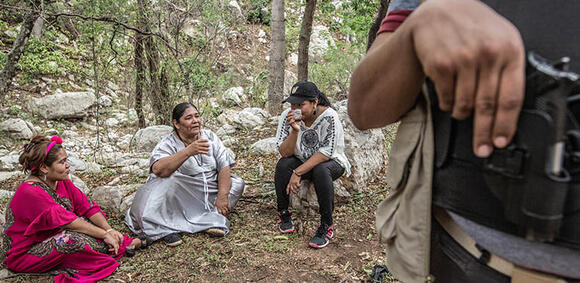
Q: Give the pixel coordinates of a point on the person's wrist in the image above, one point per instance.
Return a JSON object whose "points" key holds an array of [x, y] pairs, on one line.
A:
{"points": [[296, 173]]}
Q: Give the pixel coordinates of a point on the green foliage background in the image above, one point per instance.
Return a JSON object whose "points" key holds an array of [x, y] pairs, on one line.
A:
{"points": [[206, 61]]}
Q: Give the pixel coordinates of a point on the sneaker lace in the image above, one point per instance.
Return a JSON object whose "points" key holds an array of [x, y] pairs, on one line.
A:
{"points": [[285, 216], [321, 231]]}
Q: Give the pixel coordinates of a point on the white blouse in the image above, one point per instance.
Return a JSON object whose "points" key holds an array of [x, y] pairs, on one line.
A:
{"points": [[325, 135]]}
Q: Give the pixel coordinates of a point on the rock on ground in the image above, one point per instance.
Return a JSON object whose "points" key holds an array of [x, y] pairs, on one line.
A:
{"points": [[227, 116], [225, 130], [110, 197], [9, 162], [265, 146], [126, 203], [235, 95], [307, 201], [146, 139], [79, 183], [63, 105], [7, 175], [18, 129], [246, 119], [320, 41]]}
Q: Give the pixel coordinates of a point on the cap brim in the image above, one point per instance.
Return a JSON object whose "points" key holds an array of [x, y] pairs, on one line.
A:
{"points": [[293, 99]]}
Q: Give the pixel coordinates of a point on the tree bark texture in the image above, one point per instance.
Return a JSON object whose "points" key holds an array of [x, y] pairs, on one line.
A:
{"points": [[9, 70], [304, 39], [139, 79], [377, 23], [158, 91], [277, 58]]}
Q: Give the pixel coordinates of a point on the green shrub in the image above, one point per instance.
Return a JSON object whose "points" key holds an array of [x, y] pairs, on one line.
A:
{"points": [[3, 57], [259, 12], [44, 57]]}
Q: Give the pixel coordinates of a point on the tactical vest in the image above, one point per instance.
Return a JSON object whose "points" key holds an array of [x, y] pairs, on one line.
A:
{"points": [[515, 190]]}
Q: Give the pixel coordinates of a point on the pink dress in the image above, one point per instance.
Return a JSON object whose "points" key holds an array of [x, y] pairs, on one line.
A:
{"points": [[35, 243]]}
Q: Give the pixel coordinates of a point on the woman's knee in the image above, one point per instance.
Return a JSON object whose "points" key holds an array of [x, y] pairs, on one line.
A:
{"points": [[236, 189], [321, 171], [285, 163]]}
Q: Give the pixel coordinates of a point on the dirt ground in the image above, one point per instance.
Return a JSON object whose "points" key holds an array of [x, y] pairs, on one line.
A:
{"points": [[252, 252]]}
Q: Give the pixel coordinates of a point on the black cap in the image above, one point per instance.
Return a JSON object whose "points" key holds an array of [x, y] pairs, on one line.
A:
{"points": [[302, 90]]}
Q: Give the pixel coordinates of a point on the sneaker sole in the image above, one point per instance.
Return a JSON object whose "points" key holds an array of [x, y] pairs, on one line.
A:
{"points": [[317, 246], [174, 244], [286, 231], [213, 232]]}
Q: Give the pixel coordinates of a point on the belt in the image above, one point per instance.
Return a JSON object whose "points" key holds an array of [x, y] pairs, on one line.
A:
{"points": [[517, 273]]}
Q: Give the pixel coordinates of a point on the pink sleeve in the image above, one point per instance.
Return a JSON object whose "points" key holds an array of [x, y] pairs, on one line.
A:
{"points": [[51, 218], [39, 211], [82, 205]]}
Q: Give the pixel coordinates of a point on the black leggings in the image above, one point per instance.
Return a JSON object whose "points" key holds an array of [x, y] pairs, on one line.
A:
{"points": [[321, 175]]}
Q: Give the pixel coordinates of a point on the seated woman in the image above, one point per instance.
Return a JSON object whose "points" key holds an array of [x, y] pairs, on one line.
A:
{"points": [[190, 188], [52, 225], [310, 139]]}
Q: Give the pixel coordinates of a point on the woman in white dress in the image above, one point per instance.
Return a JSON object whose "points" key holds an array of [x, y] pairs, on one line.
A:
{"points": [[190, 188]]}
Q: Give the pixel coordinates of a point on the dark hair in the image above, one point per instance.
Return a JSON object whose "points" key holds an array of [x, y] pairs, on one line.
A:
{"points": [[322, 99], [34, 154], [178, 111]]}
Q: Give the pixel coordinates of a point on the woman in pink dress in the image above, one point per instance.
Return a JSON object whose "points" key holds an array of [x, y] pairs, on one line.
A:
{"points": [[52, 225]]}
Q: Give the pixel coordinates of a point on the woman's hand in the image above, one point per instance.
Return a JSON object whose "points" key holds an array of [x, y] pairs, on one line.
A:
{"points": [[112, 241], [117, 235], [294, 184], [290, 118], [223, 204], [199, 146]]}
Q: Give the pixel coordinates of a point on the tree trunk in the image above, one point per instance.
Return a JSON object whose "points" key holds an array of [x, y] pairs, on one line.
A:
{"points": [[158, 90], [139, 79], [9, 70], [158, 93], [304, 40], [277, 58], [377, 23]]}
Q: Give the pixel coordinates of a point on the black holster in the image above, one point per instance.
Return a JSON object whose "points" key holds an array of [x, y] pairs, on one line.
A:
{"points": [[535, 179]]}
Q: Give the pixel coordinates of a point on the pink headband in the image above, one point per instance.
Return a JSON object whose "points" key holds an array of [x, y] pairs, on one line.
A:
{"points": [[55, 140]]}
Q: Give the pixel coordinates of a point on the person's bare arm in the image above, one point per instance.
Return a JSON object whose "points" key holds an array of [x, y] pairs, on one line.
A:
{"points": [[224, 183], [386, 82], [165, 166], [289, 144], [474, 56], [82, 226], [100, 221]]}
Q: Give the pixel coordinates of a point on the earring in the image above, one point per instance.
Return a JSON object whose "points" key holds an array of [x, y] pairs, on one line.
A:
{"points": [[44, 177]]}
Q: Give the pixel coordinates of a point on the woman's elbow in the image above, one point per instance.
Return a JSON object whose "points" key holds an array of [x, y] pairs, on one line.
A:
{"points": [[357, 117], [284, 153], [160, 172]]}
